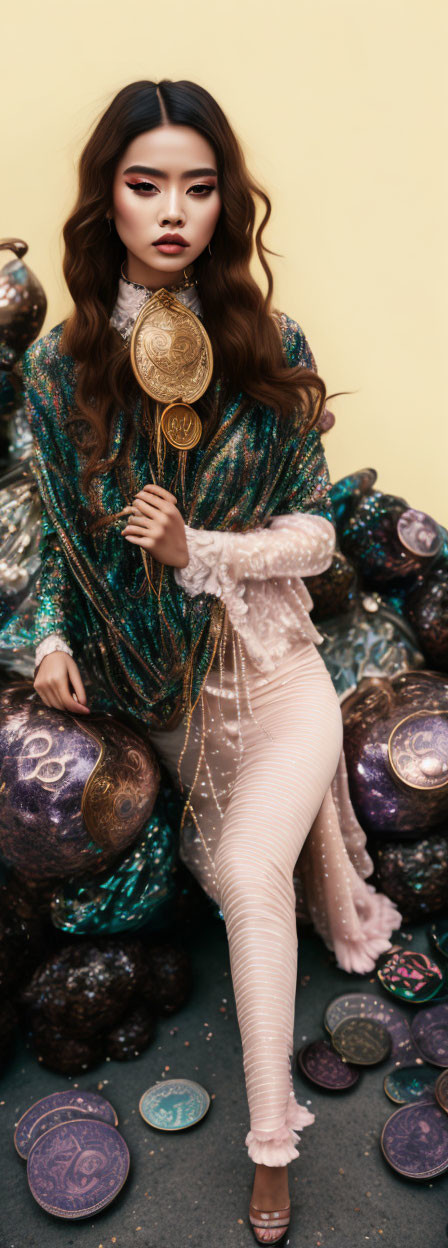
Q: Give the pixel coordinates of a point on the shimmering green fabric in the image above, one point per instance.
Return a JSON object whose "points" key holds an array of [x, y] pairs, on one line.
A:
{"points": [[94, 589], [133, 891]]}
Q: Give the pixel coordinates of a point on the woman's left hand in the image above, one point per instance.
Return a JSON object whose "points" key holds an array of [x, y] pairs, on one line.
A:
{"points": [[155, 523]]}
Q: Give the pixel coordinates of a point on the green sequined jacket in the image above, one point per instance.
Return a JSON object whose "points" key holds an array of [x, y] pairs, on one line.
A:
{"points": [[146, 653]]}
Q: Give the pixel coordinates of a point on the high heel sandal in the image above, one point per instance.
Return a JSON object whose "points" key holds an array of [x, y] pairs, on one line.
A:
{"points": [[275, 1220]]}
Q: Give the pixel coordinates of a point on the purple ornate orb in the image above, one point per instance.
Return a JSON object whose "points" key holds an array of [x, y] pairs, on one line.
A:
{"points": [[73, 794], [396, 748], [389, 542]]}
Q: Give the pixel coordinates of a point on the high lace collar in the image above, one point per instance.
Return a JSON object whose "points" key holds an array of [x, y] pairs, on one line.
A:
{"points": [[131, 297]]}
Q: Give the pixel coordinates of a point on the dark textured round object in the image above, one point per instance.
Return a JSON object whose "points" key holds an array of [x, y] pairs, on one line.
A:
{"points": [[130, 1037], [22, 942], [427, 611], [319, 1062], [23, 304], [362, 1041], [414, 1141], [169, 978], [78, 1168], [438, 935], [407, 1084], [63, 1053], [8, 1024], [371, 540], [414, 874], [86, 987], [441, 1090], [430, 1032], [333, 591], [87, 1104], [347, 492], [410, 976], [74, 794]]}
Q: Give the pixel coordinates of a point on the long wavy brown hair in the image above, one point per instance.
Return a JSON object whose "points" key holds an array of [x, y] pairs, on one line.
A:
{"points": [[245, 337]]}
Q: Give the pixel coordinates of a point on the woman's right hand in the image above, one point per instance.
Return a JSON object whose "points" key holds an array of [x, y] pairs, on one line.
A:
{"points": [[56, 675]]}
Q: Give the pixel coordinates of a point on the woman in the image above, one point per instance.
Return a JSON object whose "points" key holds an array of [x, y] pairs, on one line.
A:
{"points": [[173, 547]]}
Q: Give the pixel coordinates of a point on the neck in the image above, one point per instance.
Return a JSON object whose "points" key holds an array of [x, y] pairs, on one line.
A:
{"points": [[143, 275], [132, 296]]}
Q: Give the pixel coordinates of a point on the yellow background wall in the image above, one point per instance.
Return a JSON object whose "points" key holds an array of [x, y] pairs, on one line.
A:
{"points": [[341, 110]]}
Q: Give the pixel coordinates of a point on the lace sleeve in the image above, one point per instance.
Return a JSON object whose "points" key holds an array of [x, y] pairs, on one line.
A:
{"points": [[291, 545]]}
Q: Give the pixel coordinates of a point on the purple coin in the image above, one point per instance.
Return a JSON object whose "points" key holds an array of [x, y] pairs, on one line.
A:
{"points": [[441, 1090], [414, 1141], [89, 1104], [368, 1005], [320, 1063], [430, 1032], [65, 1113], [78, 1168]]}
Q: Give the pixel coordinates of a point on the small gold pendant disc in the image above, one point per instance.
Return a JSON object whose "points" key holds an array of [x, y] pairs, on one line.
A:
{"points": [[181, 425]]}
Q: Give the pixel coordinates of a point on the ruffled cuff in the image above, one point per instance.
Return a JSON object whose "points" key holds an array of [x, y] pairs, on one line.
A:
{"points": [[279, 1147], [201, 575], [52, 642]]}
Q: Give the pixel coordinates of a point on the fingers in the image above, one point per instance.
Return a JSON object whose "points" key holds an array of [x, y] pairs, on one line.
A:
{"points": [[53, 685], [135, 527], [162, 502], [76, 681], [147, 509], [158, 489], [69, 702]]}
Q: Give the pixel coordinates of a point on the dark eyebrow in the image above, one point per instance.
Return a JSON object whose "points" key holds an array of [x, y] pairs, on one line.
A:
{"points": [[158, 173]]}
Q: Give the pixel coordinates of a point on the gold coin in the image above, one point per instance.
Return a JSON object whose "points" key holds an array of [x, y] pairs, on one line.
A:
{"points": [[181, 425], [171, 352]]}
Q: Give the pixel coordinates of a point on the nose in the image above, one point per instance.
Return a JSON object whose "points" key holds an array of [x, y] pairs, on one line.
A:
{"points": [[171, 212]]}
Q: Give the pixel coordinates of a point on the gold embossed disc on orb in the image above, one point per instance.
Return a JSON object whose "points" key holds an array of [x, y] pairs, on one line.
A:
{"points": [[172, 358]]}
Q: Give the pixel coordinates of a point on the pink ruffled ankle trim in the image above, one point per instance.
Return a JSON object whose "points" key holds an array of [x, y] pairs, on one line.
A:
{"points": [[279, 1148], [360, 953]]}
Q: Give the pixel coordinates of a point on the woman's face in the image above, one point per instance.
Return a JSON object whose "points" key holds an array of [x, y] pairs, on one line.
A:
{"points": [[165, 183]]}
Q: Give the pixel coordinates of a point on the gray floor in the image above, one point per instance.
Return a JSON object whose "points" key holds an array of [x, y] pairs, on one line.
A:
{"points": [[194, 1188]]}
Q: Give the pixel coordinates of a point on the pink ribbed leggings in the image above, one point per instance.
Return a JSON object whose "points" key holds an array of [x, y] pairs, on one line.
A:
{"points": [[268, 800]]}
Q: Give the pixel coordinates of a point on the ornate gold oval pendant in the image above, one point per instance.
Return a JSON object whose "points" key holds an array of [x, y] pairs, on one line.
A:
{"points": [[172, 359]]}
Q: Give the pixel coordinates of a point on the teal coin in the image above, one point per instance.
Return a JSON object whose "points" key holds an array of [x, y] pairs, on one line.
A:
{"points": [[174, 1104], [409, 1083]]}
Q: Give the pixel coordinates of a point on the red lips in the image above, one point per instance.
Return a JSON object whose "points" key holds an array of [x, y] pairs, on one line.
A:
{"points": [[171, 238]]}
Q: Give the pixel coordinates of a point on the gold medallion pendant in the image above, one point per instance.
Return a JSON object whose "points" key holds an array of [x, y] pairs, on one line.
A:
{"points": [[172, 359]]}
